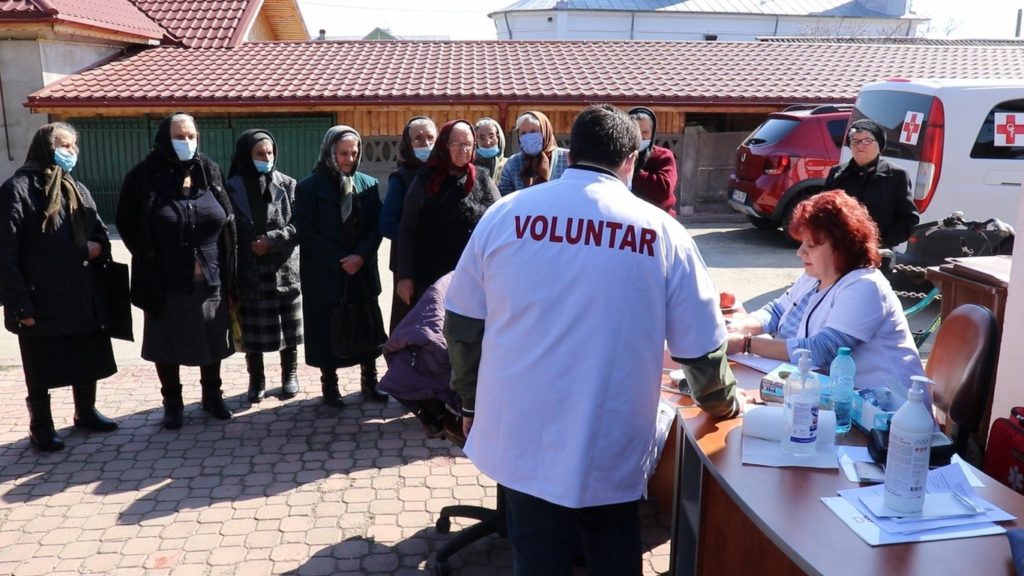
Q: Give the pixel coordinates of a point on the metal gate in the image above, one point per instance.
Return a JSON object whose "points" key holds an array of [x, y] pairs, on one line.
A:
{"points": [[111, 146]]}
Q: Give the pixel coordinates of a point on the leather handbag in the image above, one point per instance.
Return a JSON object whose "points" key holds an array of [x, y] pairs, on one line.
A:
{"points": [[357, 327], [118, 292]]}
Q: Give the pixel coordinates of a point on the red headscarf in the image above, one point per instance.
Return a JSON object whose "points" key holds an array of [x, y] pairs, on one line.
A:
{"points": [[538, 169], [440, 161]]}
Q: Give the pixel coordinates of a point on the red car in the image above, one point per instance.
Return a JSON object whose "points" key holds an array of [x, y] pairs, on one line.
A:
{"points": [[786, 160]]}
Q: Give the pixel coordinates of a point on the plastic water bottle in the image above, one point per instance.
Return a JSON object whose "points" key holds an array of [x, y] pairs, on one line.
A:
{"points": [[910, 441], [841, 401], [800, 408]]}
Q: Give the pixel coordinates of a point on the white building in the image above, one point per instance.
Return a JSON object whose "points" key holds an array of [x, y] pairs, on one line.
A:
{"points": [[703, 19]]}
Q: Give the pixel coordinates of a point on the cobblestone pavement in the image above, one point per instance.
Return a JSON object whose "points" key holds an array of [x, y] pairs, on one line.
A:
{"points": [[286, 487]]}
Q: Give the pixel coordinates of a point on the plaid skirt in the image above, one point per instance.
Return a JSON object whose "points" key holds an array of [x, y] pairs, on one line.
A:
{"points": [[273, 320]]}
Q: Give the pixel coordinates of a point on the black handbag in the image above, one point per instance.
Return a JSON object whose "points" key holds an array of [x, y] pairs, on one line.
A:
{"points": [[118, 292], [146, 288], [357, 327]]}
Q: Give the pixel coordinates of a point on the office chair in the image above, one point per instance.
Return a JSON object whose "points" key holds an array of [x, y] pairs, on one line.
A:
{"points": [[961, 365], [491, 521]]}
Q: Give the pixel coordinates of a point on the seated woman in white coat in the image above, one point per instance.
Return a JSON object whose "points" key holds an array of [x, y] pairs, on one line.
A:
{"points": [[841, 299]]}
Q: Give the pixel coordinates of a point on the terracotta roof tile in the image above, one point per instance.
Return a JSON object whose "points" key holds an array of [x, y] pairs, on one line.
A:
{"points": [[203, 23], [724, 73], [114, 15]]}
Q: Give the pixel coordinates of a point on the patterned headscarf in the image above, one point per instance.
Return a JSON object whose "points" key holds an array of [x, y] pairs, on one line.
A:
{"points": [[327, 165], [440, 161], [537, 169]]}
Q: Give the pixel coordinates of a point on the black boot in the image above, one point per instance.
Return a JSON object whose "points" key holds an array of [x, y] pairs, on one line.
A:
{"points": [[257, 379], [40, 429], [289, 373], [213, 397], [368, 383], [329, 388], [86, 414], [170, 389]]}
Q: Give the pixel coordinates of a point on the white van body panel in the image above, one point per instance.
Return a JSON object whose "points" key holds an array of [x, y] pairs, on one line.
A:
{"points": [[981, 188]]}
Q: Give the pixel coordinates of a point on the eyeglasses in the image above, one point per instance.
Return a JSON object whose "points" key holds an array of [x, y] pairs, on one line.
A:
{"points": [[464, 146], [862, 142]]}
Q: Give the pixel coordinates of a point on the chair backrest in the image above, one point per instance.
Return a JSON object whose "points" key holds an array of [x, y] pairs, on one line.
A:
{"points": [[961, 364]]}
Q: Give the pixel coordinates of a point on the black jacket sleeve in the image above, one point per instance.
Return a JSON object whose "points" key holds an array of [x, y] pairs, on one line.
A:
{"points": [[905, 215]]}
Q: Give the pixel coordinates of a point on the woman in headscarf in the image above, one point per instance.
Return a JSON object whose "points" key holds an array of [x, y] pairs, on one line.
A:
{"points": [[268, 263], [490, 147], [443, 205], [539, 160], [337, 217], [418, 139], [654, 178], [51, 241], [176, 219]]}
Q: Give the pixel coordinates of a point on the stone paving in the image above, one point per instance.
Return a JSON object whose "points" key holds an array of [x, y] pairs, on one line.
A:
{"points": [[286, 487]]}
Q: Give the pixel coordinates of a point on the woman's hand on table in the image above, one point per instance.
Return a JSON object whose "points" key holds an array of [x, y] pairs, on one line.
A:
{"points": [[735, 342]]}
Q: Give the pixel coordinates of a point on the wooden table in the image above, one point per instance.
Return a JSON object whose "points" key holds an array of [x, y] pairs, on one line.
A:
{"points": [[736, 519]]}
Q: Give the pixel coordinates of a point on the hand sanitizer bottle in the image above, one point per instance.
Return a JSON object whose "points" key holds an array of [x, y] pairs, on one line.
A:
{"points": [[800, 411], [906, 465]]}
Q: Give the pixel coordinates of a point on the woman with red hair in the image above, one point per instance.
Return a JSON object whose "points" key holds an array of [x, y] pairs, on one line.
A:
{"points": [[841, 300], [442, 207]]}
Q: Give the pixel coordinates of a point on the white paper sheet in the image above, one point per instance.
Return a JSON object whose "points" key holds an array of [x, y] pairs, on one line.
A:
{"points": [[863, 526], [758, 363]]}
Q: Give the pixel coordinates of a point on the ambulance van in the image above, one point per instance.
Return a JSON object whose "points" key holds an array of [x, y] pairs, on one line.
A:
{"points": [[960, 141]]}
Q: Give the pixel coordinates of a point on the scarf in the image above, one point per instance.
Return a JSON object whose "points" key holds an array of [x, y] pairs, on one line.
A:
{"points": [[537, 169], [60, 188], [441, 166], [327, 165]]}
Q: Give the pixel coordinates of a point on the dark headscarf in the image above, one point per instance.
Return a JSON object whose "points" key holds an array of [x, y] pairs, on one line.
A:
{"points": [[162, 141], [327, 166], [537, 169], [406, 156], [644, 154], [490, 164], [440, 161], [59, 187], [241, 162]]}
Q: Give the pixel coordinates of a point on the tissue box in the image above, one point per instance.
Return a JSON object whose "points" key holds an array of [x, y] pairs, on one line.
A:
{"points": [[773, 384], [867, 415]]}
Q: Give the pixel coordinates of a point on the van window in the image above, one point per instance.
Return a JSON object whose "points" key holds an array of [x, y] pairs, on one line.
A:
{"points": [[837, 130], [889, 108], [773, 130], [984, 144]]}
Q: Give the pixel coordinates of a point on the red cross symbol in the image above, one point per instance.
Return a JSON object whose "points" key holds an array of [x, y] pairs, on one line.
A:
{"points": [[910, 128], [1009, 129]]}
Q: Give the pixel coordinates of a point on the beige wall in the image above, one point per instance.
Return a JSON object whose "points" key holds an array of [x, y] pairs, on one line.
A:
{"points": [[27, 66]]}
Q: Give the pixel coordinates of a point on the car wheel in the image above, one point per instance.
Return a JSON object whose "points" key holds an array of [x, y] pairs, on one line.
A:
{"points": [[763, 223], [790, 209]]}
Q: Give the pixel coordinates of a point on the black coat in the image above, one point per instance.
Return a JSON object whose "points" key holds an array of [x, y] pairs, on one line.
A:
{"points": [[158, 176], [280, 233], [885, 191], [44, 275], [323, 241]]}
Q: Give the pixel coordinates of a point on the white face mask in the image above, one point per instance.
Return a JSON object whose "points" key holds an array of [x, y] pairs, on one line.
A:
{"points": [[644, 144], [185, 149]]}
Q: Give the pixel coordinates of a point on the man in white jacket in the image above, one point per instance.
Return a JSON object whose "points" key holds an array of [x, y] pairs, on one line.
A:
{"points": [[558, 314]]}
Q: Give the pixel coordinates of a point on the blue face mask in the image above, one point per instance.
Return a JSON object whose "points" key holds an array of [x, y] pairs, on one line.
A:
{"points": [[263, 167], [422, 153], [66, 160], [644, 144], [185, 149], [488, 153], [531, 143]]}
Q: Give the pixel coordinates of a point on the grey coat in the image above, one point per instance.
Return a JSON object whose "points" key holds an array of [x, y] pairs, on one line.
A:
{"points": [[283, 256]]}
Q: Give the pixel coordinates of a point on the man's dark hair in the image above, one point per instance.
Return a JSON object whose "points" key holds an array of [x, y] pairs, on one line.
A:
{"points": [[604, 136]]}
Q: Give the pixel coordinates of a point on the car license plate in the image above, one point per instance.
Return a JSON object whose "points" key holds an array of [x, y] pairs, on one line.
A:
{"points": [[739, 196]]}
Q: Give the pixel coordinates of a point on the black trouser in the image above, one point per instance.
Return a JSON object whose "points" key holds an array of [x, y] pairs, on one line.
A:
{"points": [[545, 535]]}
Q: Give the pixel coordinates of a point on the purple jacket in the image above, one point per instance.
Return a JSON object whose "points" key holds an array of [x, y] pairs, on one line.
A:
{"points": [[417, 354]]}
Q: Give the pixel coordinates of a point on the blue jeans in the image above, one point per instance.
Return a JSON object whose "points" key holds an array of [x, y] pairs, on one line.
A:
{"points": [[545, 535]]}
